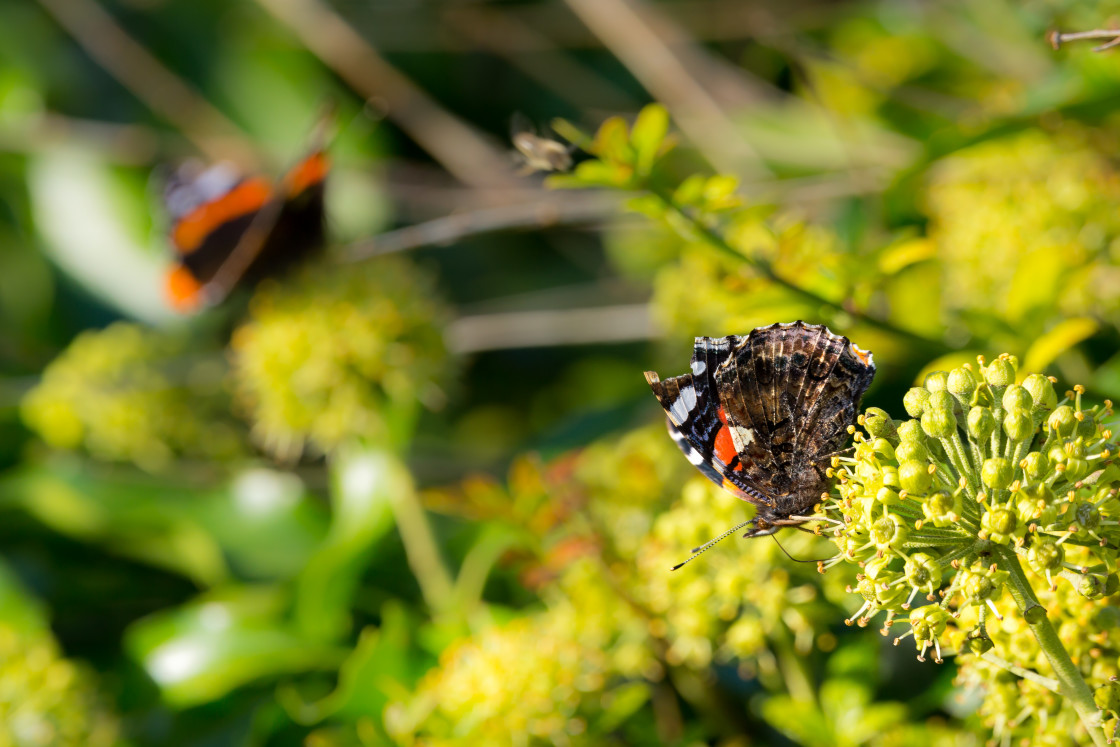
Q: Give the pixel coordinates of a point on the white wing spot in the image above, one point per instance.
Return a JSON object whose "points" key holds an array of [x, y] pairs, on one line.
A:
{"points": [[695, 457], [699, 367], [683, 405], [741, 437]]}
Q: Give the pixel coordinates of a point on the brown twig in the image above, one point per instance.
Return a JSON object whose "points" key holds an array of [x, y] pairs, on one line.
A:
{"points": [[147, 78], [448, 139], [447, 229], [545, 328], [1057, 38]]}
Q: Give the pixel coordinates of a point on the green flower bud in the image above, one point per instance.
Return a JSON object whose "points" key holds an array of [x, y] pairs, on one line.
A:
{"points": [[980, 586], [962, 385], [1018, 426], [999, 523], [936, 381], [912, 451], [887, 497], [915, 401], [1035, 465], [1037, 504], [853, 544], [999, 373], [915, 477], [1045, 555], [1087, 516], [879, 424], [878, 569], [883, 449], [981, 423], [1091, 586], [888, 532], [1107, 697], [1016, 397], [1042, 392], [923, 572], [997, 473], [910, 431], [1062, 421], [1087, 427], [939, 423], [1076, 469], [943, 509], [889, 475], [979, 645], [928, 623]]}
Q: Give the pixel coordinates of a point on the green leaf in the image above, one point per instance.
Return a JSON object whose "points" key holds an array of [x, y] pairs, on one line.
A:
{"points": [[221, 641], [1063, 336], [612, 142], [18, 608], [362, 486], [379, 668], [131, 516], [647, 137]]}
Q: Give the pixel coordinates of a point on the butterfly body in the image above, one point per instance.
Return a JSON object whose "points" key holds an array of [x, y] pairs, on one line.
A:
{"points": [[762, 415]]}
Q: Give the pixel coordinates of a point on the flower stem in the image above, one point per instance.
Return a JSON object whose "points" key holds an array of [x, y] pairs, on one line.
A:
{"points": [[1070, 682]]}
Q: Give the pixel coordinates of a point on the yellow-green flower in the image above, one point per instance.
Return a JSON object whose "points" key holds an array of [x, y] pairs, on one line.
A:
{"points": [[339, 353], [126, 393], [45, 699]]}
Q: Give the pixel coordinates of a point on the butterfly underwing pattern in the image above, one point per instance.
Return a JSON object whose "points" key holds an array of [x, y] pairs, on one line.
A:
{"points": [[762, 415]]}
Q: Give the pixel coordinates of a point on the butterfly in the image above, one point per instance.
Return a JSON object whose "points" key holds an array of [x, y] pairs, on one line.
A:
{"points": [[762, 415], [228, 229]]}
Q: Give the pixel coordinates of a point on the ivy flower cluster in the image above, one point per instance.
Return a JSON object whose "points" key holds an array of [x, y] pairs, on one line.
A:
{"points": [[125, 393], [942, 512], [337, 353], [46, 699]]}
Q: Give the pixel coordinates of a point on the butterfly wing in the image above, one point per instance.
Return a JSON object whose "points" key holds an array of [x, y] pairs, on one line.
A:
{"points": [[697, 421], [226, 229], [790, 391]]}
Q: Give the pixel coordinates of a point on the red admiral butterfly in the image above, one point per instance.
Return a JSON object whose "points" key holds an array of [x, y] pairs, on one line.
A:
{"points": [[228, 230], [762, 415]]}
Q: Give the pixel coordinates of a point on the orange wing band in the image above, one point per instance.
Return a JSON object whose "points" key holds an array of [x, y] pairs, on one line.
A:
{"points": [[247, 197], [183, 290], [307, 173]]}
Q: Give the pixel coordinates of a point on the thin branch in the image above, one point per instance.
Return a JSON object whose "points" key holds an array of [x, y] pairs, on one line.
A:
{"points": [[714, 239], [1058, 38], [449, 140], [451, 228], [533, 329], [147, 78], [627, 29]]}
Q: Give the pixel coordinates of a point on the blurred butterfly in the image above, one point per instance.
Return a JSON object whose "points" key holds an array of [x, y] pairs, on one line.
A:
{"points": [[228, 229]]}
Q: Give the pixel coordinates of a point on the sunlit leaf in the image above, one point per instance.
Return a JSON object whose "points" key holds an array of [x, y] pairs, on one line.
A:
{"points": [[221, 641], [362, 487], [647, 137], [1060, 338]]}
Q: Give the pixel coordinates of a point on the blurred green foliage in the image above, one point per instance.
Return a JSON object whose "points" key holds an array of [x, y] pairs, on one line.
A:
{"points": [[409, 500]]}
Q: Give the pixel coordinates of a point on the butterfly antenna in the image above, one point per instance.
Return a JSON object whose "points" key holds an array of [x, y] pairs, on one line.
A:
{"points": [[795, 560], [697, 551]]}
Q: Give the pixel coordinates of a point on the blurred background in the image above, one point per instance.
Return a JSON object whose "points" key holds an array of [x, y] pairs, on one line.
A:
{"points": [[417, 492]]}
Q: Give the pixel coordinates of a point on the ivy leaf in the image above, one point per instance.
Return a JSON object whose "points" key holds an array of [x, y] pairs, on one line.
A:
{"points": [[647, 137], [1063, 336]]}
